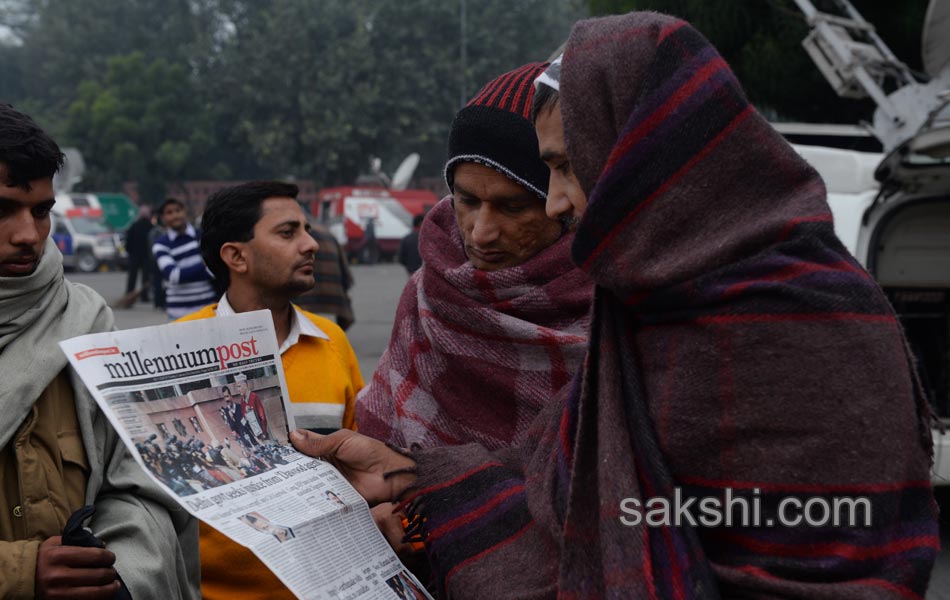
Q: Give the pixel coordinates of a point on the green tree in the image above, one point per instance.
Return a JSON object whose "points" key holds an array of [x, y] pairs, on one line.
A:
{"points": [[159, 90], [141, 122], [66, 43], [318, 87], [420, 61]]}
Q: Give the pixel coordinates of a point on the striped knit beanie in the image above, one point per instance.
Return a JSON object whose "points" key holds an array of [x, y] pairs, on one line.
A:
{"points": [[494, 129]]}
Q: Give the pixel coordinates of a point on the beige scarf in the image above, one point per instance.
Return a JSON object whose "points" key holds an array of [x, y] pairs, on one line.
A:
{"points": [[36, 312]]}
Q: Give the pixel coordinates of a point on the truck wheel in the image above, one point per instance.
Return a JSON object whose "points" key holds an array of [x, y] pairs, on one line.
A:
{"points": [[86, 262]]}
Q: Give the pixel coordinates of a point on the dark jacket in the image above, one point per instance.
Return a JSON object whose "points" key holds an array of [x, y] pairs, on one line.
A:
{"points": [[136, 238], [409, 252]]}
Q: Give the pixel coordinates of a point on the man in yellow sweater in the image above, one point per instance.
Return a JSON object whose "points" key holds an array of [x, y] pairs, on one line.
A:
{"points": [[255, 242]]}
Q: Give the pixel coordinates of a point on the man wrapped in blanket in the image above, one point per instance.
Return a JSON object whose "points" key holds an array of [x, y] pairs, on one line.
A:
{"points": [[736, 349], [495, 322]]}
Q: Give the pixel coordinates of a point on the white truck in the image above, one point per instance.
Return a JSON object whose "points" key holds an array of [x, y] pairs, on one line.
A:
{"points": [[80, 232], [892, 209]]}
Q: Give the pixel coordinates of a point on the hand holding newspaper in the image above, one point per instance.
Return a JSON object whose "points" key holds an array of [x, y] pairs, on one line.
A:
{"points": [[204, 409]]}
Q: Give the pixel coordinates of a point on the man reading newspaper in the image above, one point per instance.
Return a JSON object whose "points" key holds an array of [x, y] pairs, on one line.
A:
{"points": [[57, 450], [256, 244]]}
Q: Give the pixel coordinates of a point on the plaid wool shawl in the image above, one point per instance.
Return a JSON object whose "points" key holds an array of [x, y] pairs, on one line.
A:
{"points": [[735, 345], [474, 355]]}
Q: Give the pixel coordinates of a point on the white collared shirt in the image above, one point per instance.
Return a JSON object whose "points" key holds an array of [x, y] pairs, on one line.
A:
{"points": [[189, 231], [299, 324]]}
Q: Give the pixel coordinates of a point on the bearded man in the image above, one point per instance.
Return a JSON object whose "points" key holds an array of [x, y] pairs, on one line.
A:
{"points": [[257, 243]]}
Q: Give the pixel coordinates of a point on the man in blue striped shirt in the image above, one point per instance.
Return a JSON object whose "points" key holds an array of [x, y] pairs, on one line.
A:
{"points": [[188, 284]]}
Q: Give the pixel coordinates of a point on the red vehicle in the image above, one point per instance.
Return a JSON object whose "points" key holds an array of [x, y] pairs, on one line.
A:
{"points": [[347, 211]]}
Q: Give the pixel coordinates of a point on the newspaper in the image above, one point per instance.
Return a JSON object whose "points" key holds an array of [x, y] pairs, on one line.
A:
{"points": [[203, 407]]}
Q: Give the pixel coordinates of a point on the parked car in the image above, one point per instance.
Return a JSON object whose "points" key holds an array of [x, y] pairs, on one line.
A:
{"points": [[81, 234]]}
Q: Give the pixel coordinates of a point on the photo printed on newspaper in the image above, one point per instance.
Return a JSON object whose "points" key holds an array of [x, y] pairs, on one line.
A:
{"points": [[203, 407]]}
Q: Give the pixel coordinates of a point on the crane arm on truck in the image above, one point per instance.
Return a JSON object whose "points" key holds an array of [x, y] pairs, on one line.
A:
{"points": [[858, 64]]}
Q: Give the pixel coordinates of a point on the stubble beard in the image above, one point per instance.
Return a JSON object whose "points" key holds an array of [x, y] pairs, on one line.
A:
{"points": [[297, 285], [570, 223]]}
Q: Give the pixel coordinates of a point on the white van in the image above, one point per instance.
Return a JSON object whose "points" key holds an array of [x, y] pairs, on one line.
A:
{"points": [[80, 232], [893, 214]]}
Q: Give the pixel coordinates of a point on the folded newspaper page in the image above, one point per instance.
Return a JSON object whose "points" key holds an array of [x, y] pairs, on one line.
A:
{"points": [[202, 405]]}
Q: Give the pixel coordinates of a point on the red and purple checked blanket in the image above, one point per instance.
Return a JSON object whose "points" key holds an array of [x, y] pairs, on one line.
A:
{"points": [[475, 355]]}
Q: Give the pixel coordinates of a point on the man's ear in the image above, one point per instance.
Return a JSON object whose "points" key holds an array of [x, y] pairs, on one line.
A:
{"points": [[234, 257]]}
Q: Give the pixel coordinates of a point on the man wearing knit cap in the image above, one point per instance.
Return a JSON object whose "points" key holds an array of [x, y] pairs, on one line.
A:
{"points": [[493, 324]]}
